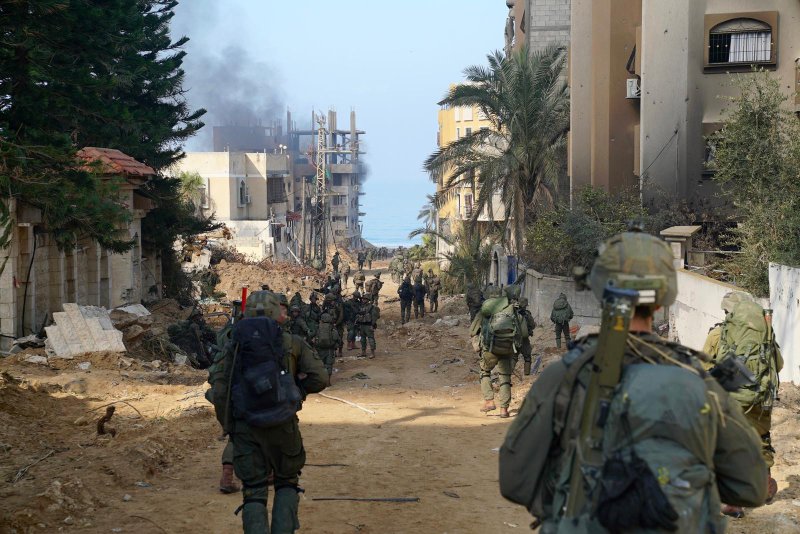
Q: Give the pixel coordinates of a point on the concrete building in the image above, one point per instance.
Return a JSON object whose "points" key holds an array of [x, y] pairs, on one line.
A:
{"points": [[265, 195], [648, 82], [537, 23], [455, 123], [250, 193], [38, 278]]}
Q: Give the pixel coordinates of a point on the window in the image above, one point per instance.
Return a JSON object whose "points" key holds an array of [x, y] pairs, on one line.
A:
{"points": [[467, 114], [458, 114], [337, 179], [339, 218], [275, 192], [458, 133], [339, 200], [736, 41], [467, 132], [242, 193]]}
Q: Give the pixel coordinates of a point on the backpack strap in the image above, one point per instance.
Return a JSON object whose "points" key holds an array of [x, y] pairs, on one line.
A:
{"points": [[574, 360]]}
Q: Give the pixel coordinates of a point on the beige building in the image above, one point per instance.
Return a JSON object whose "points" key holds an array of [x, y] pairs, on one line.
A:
{"points": [[38, 278], [537, 23], [250, 193], [648, 80]]}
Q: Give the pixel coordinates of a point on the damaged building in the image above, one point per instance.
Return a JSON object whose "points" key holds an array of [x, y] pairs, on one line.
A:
{"points": [[38, 277]]}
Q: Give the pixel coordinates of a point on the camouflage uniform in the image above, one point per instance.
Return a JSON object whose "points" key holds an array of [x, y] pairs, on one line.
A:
{"points": [[359, 280], [335, 263], [406, 294], [367, 320], [474, 299], [691, 441], [561, 315], [526, 350], [327, 348]]}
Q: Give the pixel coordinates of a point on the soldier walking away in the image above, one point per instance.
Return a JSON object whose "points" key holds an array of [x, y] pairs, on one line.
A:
{"points": [[333, 305], [345, 274], [419, 299], [351, 308], [264, 427], [626, 432], [359, 280], [327, 342], [474, 299], [335, 262], [296, 325], [374, 287], [313, 314], [370, 257], [406, 294], [746, 335], [434, 286], [361, 257], [497, 329], [367, 320], [527, 322], [561, 315]]}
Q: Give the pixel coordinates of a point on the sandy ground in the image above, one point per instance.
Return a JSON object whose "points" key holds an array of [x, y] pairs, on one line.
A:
{"points": [[425, 439]]}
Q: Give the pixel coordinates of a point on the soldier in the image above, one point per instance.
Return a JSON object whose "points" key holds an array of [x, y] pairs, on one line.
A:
{"points": [[374, 287], [277, 450], [671, 440], [497, 328], [370, 257], [367, 320], [327, 342], [419, 299], [474, 299], [335, 262], [296, 325], [334, 305], [406, 294], [746, 335], [345, 274], [313, 314], [561, 315], [361, 257], [416, 274], [359, 280], [351, 308], [526, 319], [434, 286]]}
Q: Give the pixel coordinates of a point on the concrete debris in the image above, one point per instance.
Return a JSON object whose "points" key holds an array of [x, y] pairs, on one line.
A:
{"points": [[447, 320], [135, 309], [84, 366], [41, 360], [133, 333], [180, 359], [29, 342], [82, 329], [155, 364]]}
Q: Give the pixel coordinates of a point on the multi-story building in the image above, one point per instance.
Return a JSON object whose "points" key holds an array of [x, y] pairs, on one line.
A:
{"points": [[537, 23], [262, 182], [649, 81], [455, 123]]}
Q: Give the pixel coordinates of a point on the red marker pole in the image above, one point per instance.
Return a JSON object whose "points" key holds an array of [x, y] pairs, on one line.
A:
{"points": [[244, 299]]}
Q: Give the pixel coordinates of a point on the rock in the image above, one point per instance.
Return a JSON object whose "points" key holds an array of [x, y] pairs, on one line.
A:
{"points": [[68, 520], [41, 360], [155, 364], [84, 366], [127, 498], [125, 362], [76, 386], [81, 421], [134, 309], [122, 320], [132, 333], [142, 484], [180, 359], [5, 447]]}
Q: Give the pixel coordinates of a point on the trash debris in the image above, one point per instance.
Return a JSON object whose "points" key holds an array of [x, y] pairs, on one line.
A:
{"points": [[84, 366], [127, 498], [452, 494], [360, 376], [29, 342]]}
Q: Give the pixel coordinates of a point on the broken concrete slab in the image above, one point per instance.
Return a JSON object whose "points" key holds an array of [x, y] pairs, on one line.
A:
{"points": [[82, 329], [136, 309]]}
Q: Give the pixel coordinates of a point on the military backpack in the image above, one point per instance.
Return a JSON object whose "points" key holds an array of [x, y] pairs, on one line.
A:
{"points": [[501, 332], [325, 338]]}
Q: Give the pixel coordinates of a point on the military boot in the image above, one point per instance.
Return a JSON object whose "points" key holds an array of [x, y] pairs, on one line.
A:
{"points": [[284, 511], [526, 368], [558, 342], [488, 406], [371, 353], [351, 345], [772, 488], [735, 512], [363, 352], [254, 518], [504, 413], [227, 484]]}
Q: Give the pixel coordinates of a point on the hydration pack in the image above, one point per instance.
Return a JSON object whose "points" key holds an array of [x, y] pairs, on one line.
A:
{"points": [[501, 327], [263, 392]]}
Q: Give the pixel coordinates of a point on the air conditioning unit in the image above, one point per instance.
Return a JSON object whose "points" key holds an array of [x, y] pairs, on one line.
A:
{"points": [[633, 88], [247, 199]]}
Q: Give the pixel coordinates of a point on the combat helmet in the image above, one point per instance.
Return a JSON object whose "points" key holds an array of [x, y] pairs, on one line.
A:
{"points": [[513, 292], [638, 261], [732, 298], [523, 302], [264, 302]]}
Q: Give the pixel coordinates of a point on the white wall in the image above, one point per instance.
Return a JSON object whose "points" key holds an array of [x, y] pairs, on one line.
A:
{"points": [[784, 296]]}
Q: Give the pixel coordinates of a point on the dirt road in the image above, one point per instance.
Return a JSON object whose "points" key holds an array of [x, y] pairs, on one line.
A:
{"points": [[425, 439]]}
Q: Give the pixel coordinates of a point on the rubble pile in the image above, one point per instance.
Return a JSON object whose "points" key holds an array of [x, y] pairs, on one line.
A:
{"points": [[283, 277]]}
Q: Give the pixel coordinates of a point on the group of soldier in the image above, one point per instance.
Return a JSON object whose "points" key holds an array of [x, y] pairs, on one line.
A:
{"points": [[628, 432], [412, 294]]}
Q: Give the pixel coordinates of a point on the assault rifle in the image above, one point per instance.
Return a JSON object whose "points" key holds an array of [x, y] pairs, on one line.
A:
{"points": [[618, 307]]}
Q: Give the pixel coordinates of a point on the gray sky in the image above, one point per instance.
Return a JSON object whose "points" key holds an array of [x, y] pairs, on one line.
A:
{"points": [[391, 61]]}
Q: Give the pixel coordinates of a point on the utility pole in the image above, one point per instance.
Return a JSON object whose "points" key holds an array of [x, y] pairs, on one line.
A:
{"points": [[319, 208]]}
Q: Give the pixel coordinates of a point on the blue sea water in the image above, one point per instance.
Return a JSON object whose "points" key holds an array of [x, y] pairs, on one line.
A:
{"points": [[386, 232]]}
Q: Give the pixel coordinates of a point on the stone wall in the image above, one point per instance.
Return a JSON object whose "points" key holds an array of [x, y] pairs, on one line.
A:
{"points": [[542, 290], [784, 296], [548, 22]]}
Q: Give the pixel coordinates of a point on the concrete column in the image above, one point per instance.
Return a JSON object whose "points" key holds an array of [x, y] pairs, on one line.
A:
{"points": [[9, 259]]}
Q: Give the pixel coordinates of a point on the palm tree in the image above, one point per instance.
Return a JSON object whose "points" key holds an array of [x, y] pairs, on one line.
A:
{"points": [[429, 213], [521, 156]]}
